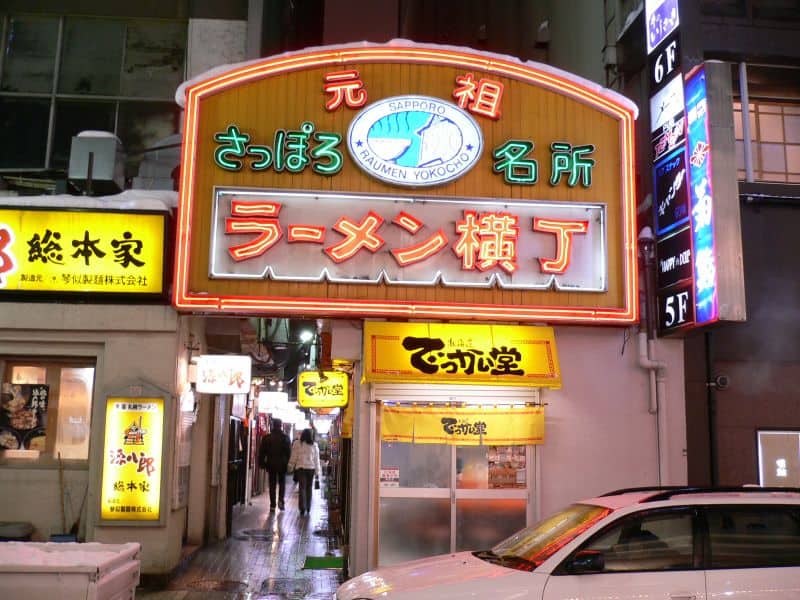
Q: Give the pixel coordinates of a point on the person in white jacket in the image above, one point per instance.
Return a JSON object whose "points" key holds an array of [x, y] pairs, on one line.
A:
{"points": [[305, 462]]}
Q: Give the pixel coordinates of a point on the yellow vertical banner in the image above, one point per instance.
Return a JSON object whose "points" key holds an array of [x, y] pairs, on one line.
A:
{"points": [[463, 426], [132, 459]]}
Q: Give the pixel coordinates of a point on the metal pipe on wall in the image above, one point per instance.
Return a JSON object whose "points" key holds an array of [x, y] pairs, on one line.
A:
{"points": [[746, 136], [657, 370]]}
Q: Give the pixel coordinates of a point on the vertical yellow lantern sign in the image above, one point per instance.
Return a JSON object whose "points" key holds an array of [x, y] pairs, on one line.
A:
{"points": [[132, 460]]}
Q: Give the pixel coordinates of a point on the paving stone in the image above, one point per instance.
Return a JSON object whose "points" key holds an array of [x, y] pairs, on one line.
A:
{"points": [[263, 558]]}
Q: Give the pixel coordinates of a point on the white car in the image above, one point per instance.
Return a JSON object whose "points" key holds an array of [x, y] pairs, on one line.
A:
{"points": [[636, 544]]}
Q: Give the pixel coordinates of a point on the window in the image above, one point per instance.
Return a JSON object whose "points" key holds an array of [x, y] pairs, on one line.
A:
{"points": [[653, 541], [64, 75], [46, 408], [774, 109], [753, 536], [779, 458], [775, 145]]}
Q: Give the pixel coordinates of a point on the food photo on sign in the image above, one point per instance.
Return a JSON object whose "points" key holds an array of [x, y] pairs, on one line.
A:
{"points": [[24, 416]]}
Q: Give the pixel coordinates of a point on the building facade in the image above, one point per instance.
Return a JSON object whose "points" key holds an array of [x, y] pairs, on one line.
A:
{"points": [[624, 414], [741, 409]]}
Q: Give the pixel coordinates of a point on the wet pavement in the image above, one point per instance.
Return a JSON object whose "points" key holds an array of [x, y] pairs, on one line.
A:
{"points": [[263, 558]]}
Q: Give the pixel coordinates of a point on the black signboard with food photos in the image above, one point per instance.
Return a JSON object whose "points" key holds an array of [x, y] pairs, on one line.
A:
{"points": [[24, 416]]}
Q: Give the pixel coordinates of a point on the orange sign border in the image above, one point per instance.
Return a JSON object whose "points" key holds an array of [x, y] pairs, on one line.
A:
{"points": [[187, 301]]}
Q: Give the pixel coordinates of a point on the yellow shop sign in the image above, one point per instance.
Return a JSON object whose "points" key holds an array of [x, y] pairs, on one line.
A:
{"points": [[56, 250], [463, 426], [132, 459], [461, 353], [326, 389]]}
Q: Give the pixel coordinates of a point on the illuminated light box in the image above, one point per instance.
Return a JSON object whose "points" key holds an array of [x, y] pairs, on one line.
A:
{"points": [[322, 389], [132, 455], [461, 353], [407, 181], [58, 251], [223, 374]]}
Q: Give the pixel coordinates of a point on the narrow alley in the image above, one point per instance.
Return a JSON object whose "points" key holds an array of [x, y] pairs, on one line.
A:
{"points": [[264, 558]]}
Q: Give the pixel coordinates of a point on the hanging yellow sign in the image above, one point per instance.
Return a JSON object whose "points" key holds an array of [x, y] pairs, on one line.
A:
{"points": [[325, 389], [58, 250], [132, 467], [460, 353], [463, 426]]}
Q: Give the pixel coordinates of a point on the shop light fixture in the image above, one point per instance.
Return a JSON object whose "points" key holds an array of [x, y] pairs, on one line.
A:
{"points": [[323, 426]]}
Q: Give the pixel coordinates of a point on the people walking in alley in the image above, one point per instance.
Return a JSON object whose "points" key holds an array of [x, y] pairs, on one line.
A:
{"points": [[305, 462], [295, 443], [273, 455]]}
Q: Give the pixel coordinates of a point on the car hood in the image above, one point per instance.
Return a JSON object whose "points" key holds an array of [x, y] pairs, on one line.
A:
{"points": [[439, 577]]}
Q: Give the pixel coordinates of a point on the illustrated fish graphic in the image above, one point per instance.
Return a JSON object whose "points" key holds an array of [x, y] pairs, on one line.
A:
{"points": [[414, 139]]}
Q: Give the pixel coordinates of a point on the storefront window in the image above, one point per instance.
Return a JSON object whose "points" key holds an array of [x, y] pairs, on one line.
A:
{"points": [[417, 465], [46, 409], [490, 467]]}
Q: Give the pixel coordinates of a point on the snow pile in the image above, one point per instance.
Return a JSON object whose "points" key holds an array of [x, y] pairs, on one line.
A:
{"points": [[152, 200], [614, 96], [26, 554]]}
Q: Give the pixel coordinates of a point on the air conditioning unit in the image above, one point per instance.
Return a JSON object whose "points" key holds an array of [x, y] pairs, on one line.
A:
{"points": [[97, 163]]}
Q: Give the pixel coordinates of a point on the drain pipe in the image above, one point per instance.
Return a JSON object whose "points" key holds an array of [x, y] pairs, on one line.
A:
{"points": [[657, 370]]}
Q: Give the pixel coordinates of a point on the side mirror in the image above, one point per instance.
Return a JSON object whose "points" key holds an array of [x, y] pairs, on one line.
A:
{"points": [[586, 561]]}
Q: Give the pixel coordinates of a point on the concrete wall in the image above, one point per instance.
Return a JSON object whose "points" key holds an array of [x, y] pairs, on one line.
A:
{"points": [[577, 35], [599, 434], [214, 42], [129, 343]]}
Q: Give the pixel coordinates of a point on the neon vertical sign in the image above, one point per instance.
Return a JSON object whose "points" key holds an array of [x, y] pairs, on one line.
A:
{"points": [[702, 206]]}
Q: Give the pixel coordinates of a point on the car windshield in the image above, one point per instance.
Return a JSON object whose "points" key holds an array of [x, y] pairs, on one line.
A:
{"points": [[536, 543]]}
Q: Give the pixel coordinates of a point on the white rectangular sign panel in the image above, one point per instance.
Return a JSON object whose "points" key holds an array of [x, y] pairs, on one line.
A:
{"points": [[223, 374], [295, 236]]}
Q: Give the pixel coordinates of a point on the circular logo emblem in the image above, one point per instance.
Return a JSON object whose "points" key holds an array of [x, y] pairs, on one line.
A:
{"points": [[414, 140]]}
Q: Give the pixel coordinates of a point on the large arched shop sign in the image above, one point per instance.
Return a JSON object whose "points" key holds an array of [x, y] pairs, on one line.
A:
{"points": [[406, 181]]}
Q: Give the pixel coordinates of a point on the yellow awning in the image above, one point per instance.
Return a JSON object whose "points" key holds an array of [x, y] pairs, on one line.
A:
{"points": [[463, 426]]}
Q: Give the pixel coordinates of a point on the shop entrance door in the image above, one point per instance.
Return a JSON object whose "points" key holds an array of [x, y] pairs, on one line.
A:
{"points": [[437, 498]]}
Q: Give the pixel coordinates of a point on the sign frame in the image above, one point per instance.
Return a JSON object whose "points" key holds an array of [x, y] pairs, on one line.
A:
{"points": [[623, 312], [221, 363], [313, 377], [96, 296], [466, 354], [149, 393]]}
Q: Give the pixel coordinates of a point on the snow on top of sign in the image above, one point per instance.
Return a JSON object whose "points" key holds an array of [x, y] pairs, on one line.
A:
{"points": [[616, 97], [138, 200]]}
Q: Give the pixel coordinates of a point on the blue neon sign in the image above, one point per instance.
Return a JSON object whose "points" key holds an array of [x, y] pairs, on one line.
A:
{"points": [[701, 199]]}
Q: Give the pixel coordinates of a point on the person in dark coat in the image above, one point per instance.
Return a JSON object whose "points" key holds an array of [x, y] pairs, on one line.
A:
{"points": [[273, 455]]}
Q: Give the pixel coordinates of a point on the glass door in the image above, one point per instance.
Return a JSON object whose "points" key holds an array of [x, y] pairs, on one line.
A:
{"points": [[491, 494], [414, 517], [436, 499]]}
